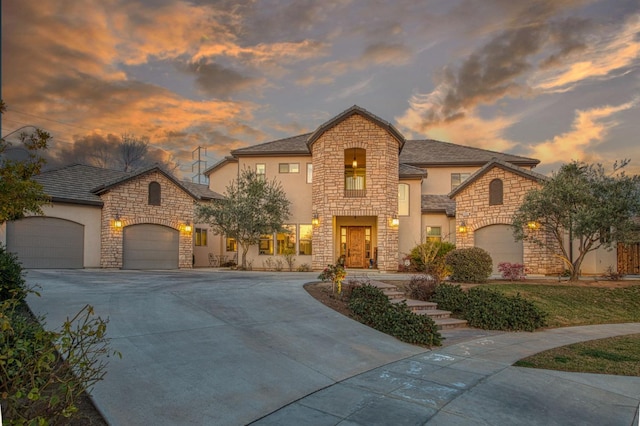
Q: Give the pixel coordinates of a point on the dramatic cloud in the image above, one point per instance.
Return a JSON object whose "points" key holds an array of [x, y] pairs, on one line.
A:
{"points": [[221, 82]]}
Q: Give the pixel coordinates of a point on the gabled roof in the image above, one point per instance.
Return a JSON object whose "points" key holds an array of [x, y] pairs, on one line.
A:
{"points": [[438, 204], [365, 114], [503, 165], [406, 171], [294, 145], [429, 152], [225, 160], [73, 183], [187, 187]]}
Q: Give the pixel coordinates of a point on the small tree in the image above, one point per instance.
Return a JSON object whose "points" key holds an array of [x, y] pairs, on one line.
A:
{"points": [[584, 205], [252, 207], [19, 193]]}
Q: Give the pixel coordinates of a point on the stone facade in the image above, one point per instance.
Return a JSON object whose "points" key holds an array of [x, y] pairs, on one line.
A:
{"points": [[129, 201], [472, 207], [328, 194]]}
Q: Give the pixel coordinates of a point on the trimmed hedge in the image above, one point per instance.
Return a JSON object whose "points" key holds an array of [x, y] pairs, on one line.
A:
{"points": [[470, 265], [370, 306], [490, 309]]}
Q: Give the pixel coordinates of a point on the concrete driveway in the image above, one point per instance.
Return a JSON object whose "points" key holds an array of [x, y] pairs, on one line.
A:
{"points": [[210, 347]]}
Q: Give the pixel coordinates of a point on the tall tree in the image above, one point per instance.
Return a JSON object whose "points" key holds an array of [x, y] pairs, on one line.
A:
{"points": [[252, 207], [19, 193], [131, 152], [583, 205]]}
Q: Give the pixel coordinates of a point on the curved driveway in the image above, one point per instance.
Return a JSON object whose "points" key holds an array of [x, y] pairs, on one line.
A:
{"points": [[208, 347]]}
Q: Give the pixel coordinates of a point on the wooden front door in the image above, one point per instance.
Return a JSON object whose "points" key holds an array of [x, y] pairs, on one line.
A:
{"points": [[629, 258], [355, 256]]}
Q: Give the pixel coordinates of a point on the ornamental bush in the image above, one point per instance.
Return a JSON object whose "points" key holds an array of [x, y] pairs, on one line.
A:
{"points": [[12, 284], [370, 306], [429, 257], [470, 265], [421, 287]]}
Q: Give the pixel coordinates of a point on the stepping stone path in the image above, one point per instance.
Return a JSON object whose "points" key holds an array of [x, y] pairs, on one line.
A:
{"points": [[442, 318]]}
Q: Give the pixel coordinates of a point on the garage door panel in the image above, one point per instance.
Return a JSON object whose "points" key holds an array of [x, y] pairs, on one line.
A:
{"points": [[499, 242], [46, 242], [149, 246]]}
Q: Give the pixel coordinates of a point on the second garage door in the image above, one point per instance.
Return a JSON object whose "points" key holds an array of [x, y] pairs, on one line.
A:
{"points": [[499, 242], [150, 246]]}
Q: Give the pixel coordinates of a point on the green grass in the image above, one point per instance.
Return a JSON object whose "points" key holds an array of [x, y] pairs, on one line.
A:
{"points": [[569, 305], [615, 355]]}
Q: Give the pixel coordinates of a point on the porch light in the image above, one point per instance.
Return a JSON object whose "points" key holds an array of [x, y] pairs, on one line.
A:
{"points": [[533, 225], [462, 228], [117, 222], [315, 221], [185, 227], [395, 221]]}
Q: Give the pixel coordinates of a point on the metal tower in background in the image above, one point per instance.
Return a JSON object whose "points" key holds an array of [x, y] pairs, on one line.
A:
{"points": [[200, 165]]}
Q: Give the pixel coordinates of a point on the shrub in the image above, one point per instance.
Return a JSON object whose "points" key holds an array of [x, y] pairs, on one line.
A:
{"points": [[305, 267], [12, 284], [492, 310], [335, 274], [429, 257], [470, 265], [422, 287], [512, 271], [450, 297], [290, 258], [370, 306]]}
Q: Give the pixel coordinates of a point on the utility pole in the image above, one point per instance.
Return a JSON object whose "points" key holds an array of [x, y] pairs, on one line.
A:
{"points": [[200, 165]]}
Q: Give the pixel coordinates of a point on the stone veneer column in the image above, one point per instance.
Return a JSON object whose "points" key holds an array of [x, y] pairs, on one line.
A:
{"points": [[381, 199]]}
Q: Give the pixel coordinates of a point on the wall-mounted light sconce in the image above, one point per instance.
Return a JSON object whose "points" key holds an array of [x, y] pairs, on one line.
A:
{"points": [[315, 221], [462, 228], [395, 221], [533, 225], [185, 227], [117, 222]]}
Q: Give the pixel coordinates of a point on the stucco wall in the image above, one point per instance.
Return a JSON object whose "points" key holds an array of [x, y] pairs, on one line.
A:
{"points": [[130, 201]]}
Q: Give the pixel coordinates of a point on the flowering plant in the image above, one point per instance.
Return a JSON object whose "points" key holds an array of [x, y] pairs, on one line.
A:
{"points": [[335, 274]]}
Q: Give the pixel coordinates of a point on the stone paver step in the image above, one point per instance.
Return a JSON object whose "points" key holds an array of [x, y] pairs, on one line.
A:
{"points": [[391, 294], [416, 305], [434, 313], [449, 323]]}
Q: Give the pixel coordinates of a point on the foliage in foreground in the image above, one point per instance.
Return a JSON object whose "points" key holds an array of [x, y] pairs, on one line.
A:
{"points": [[489, 309], [44, 373], [429, 257], [372, 307], [614, 355], [470, 265]]}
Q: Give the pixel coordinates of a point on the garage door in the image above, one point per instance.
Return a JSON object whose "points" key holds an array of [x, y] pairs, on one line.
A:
{"points": [[46, 242], [149, 246], [499, 242]]}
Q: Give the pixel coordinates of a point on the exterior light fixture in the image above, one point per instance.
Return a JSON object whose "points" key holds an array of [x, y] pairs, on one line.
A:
{"points": [[395, 221], [315, 221], [187, 228], [117, 222], [533, 225], [462, 228]]}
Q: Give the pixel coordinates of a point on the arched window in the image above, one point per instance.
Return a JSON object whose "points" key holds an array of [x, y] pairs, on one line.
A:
{"points": [[154, 194], [355, 171], [495, 192]]}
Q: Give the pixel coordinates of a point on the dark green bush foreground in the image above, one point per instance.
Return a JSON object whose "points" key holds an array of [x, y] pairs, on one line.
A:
{"points": [[490, 309], [470, 265], [43, 373], [371, 307]]}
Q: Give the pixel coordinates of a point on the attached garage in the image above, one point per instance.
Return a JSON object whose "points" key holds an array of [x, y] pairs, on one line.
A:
{"points": [[148, 246], [46, 242], [498, 241]]}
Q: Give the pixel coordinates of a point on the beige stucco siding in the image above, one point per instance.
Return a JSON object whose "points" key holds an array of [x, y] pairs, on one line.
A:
{"points": [[409, 229], [438, 180]]}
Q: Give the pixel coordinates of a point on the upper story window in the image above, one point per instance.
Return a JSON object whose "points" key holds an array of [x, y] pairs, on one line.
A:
{"points": [[309, 172], [495, 192], [155, 196], [261, 170], [289, 168], [403, 199], [355, 168], [458, 178]]}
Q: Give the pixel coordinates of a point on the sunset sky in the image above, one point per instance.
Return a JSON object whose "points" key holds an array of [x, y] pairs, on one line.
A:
{"points": [[556, 80]]}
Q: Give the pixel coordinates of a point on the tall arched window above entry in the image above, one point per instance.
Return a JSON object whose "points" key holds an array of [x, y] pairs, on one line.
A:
{"points": [[154, 194], [495, 192], [355, 172]]}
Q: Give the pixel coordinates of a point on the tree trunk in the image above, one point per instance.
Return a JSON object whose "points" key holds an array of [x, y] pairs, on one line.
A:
{"points": [[245, 249]]}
